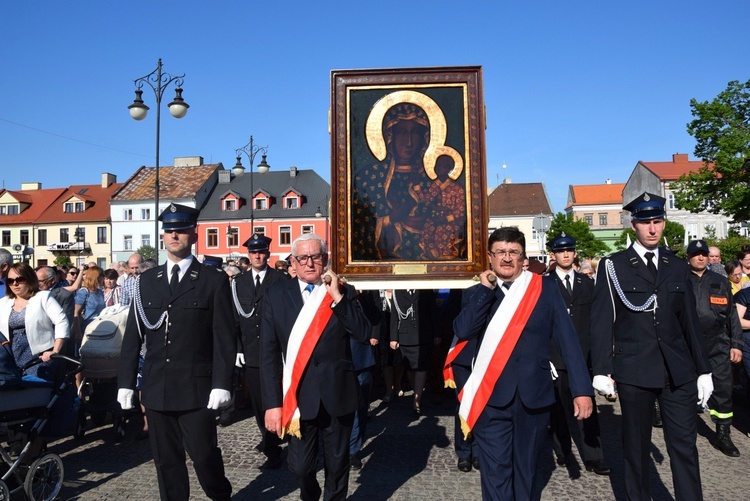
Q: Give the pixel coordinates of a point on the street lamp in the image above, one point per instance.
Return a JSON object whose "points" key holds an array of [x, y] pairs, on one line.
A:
{"points": [[158, 81], [251, 149]]}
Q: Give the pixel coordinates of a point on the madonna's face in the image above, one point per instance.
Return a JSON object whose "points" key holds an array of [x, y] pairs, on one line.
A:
{"points": [[408, 140]]}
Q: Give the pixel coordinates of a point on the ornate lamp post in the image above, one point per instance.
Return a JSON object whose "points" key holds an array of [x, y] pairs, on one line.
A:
{"points": [[158, 81], [251, 150]]}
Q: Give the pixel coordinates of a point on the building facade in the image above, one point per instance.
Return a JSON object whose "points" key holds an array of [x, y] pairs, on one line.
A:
{"points": [[600, 205]]}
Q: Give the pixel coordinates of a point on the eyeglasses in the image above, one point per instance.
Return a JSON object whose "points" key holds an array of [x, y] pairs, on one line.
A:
{"points": [[14, 281], [513, 254], [316, 258], [74, 273]]}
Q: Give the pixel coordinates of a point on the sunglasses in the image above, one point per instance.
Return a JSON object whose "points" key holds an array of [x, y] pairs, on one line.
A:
{"points": [[74, 273], [14, 281]]}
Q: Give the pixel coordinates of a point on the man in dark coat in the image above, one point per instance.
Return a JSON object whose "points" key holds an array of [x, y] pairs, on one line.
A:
{"points": [[309, 387], [183, 312], [577, 291], [248, 291], [646, 336]]}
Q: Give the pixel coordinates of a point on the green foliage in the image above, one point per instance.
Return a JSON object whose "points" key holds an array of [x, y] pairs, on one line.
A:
{"points": [[730, 246], [63, 260], [674, 233], [147, 252], [710, 232], [722, 133], [587, 244]]}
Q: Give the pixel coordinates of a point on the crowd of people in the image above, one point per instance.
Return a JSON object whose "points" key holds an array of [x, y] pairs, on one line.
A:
{"points": [[525, 349]]}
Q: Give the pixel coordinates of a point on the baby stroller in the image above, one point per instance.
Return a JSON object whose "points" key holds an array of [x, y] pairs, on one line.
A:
{"points": [[100, 355], [28, 413]]}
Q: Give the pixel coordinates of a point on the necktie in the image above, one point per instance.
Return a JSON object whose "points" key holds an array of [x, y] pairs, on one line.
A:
{"points": [[507, 284], [567, 285], [175, 280], [257, 281], [309, 290], [650, 263]]}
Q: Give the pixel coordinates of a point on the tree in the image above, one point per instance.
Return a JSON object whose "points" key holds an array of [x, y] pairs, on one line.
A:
{"points": [[674, 233], [63, 260], [722, 131], [147, 252], [587, 245]]}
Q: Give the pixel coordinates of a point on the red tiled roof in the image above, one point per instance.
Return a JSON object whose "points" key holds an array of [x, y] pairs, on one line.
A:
{"points": [[96, 199], [39, 200], [175, 182], [519, 199], [671, 171], [596, 194]]}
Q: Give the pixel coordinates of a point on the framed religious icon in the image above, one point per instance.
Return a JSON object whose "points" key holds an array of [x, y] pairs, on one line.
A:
{"points": [[408, 177]]}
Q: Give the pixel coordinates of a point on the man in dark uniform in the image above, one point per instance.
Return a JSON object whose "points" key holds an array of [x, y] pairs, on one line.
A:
{"points": [[723, 334], [645, 335], [183, 313], [578, 293], [247, 297]]}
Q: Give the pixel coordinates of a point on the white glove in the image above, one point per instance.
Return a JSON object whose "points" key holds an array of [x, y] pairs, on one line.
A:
{"points": [[603, 384], [553, 371], [218, 398], [240, 360], [125, 398], [705, 388]]}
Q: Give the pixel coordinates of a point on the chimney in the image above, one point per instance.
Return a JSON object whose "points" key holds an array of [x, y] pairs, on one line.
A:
{"points": [[31, 186], [188, 161], [293, 171], [679, 158], [225, 176], [608, 181], [507, 180], [108, 179]]}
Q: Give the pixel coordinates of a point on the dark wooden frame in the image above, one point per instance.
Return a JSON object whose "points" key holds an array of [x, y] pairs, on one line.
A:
{"points": [[457, 92]]}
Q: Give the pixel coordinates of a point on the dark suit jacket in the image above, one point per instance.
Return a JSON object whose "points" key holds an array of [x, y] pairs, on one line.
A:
{"points": [[637, 348], [251, 298], [419, 328], [579, 309], [183, 365], [329, 378], [527, 372]]}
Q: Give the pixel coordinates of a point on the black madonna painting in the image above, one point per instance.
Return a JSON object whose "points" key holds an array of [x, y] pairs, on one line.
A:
{"points": [[408, 172]]}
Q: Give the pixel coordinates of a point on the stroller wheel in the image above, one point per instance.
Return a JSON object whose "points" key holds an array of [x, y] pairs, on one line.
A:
{"points": [[44, 478], [80, 424], [4, 491]]}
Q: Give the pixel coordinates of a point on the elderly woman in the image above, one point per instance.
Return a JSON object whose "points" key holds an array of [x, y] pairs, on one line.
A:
{"points": [[734, 274], [33, 321]]}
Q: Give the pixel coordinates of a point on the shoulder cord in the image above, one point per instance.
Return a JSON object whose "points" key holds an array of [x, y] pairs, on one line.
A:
{"points": [[237, 302], [402, 315], [139, 308], [612, 280]]}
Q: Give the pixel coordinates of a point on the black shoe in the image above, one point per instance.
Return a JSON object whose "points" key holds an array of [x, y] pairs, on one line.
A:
{"points": [[464, 465], [355, 463], [271, 463], [598, 466], [259, 447], [225, 418], [657, 415], [475, 463], [724, 443], [562, 460]]}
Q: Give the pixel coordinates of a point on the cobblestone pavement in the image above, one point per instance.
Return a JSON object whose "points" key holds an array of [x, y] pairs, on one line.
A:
{"points": [[404, 458]]}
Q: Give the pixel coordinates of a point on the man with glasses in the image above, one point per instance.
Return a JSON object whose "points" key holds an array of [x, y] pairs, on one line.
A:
{"points": [[6, 259], [307, 376], [515, 315], [248, 291], [47, 277]]}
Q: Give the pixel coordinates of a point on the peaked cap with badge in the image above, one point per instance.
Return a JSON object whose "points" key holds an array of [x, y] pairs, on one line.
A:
{"points": [[258, 243], [645, 207], [178, 217], [562, 242], [697, 247]]}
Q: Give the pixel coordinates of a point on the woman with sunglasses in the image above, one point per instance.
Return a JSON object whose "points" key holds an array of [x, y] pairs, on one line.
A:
{"points": [[32, 320], [74, 277]]}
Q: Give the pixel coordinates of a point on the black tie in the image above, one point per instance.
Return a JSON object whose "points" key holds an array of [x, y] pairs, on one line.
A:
{"points": [[568, 286], [507, 285], [650, 263], [175, 280], [257, 281]]}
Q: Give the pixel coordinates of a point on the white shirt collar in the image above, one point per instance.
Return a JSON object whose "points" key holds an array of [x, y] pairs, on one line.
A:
{"points": [[184, 264], [641, 251]]}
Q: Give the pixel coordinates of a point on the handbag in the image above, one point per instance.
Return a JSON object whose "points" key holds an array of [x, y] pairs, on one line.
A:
{"points": [[10, 373]]}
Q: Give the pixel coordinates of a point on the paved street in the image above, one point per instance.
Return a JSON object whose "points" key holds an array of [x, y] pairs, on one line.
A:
{"points": [[404, 458]]}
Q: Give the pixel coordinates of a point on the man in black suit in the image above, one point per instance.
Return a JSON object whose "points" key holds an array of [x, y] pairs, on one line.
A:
{"points": [[578, 293], [645, 335], [307, 376], [183, 312], [247, 293]]}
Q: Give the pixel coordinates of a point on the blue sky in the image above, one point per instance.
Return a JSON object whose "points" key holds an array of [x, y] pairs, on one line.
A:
{"points": [[576, 91]]}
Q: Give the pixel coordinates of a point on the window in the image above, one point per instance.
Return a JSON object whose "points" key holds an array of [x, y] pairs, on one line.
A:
{"points": [[127, 214], [6, 238], [41, 237], [622, 219], [145, 214], [41, 262], [80, 234], [261, 204], [307, 228], [101, 234], [230, 204], [12, 210], [291, 203], [233, 237], [692, 230], [145, 240], [68, 206], [64, 235], [3, 210], [79, 206], [285, 235], [212, 237], [127, 242], [260, 230], [24, 237], [670, 200], [589, 218], [101, 262], [602, 219]]}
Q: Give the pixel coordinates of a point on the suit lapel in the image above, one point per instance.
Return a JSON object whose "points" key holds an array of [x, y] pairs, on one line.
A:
{"points": [[162, 281], [662, 270], [188, 281], [640, 267], [294, 295]]}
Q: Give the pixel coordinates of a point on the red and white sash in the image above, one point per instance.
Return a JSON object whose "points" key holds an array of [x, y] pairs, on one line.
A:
{"points": [[455, 349], [306, 332], [500, 338]]}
